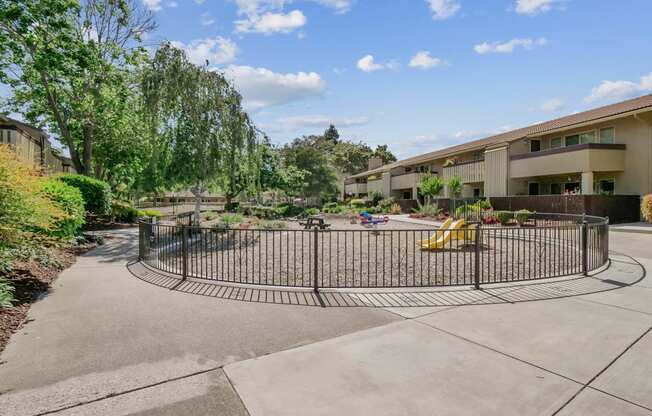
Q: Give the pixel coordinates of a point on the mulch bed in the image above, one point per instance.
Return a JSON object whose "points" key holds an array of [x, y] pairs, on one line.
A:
{"points": [[31, 281]]}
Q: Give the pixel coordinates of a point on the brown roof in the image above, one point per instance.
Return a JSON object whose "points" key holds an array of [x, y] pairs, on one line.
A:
{"points": [[31, 130], [621, 108]]}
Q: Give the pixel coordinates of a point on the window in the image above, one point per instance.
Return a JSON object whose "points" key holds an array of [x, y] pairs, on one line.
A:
{"points": [[555, 143], [572, 140], [533, 188], [407, 195], [606, 187], [407, 170], [608, 135], [555, 189], [588, 137], [535, 145], [572, 188], [476, 192]]}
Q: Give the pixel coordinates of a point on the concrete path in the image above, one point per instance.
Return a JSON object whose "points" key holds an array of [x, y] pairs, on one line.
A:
{"points": [[107, 343]]}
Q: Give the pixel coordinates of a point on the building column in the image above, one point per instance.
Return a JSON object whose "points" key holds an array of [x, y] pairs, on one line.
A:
{"points": [[587, 183], [415, 192], [387, 184]]}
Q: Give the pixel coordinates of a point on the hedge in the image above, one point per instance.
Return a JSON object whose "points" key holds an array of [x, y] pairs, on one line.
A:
{"points": [[69, 200], [96, 193]]}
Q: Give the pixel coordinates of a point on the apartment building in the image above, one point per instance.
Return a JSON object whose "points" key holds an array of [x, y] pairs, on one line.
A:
{"points": [[33, 146], [606, 150]]}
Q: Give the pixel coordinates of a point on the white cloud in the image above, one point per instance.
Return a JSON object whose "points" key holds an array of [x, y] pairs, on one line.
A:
{"points": [[173, 4], [552, 104], [620, 90], [368, 64], [199, 1], [262, 87], [509, 46], [443, 9], [216, 51], [533, 7], [153, 5], [270, 23], [268, 16], [423, 60], [206, 19]]}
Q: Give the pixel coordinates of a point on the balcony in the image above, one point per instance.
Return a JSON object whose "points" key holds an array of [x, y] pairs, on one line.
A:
{"points": [[355, 188], [588, 157], [406, 180], [374, 185], [468, 172]]}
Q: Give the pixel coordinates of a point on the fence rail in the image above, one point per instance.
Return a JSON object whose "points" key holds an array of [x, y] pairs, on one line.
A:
{"points": [[550, 245]]}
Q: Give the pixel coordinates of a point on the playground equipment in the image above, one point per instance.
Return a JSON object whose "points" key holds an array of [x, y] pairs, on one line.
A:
{"points": [[456, 231], [369, 220], [437, 234]]}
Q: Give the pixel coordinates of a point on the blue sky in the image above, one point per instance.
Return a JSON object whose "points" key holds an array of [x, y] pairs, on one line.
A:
{"points": [[416, 74]]}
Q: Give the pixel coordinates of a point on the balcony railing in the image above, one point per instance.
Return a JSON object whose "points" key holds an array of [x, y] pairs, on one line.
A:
{"points": [[587, 157], [468, 172], [406, 180]]}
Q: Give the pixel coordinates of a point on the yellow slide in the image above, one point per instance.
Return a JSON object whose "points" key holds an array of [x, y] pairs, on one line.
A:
{"points": [[443, 237], [437, 233]]}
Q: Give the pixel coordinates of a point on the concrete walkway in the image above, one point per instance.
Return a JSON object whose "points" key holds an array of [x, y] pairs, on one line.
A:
{"points": [[107, 343]]}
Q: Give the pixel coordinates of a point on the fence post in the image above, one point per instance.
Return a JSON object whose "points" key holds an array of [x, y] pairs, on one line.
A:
{"points": [[585, 253], [184, 252], [476, 274], [141, 241], [315, 266]]}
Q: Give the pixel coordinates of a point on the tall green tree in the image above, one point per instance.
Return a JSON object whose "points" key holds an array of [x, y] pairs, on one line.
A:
{"points": [[383, 152], [430, 186], [304, 154], [350, 158], [207, 139], [68, 63]]}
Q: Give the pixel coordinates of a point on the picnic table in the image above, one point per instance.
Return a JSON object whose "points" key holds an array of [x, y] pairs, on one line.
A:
{"points": [[314, 221]]}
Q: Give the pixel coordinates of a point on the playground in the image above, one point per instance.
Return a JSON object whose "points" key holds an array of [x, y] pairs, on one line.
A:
{"points": [[351, 254]]}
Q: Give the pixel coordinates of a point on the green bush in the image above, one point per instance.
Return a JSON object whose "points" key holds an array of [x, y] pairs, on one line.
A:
{"points": [[330, 205], [96, 193], [69, 200], [522, 216], [231, 219], [504, 217], [386, 203], [288, 210], [123, 212], [375, 197], [358, 203], [152, 213], [6, 293], [263, 212], [485, 204], [468, 211], [428, 210], [312, 211]]}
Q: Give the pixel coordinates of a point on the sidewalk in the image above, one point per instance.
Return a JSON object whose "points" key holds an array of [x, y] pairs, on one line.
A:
{"points": [[633, 227], [106, 343]]}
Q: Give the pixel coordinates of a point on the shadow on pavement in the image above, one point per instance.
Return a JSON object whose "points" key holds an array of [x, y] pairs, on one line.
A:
{"points": [[623, 271]]}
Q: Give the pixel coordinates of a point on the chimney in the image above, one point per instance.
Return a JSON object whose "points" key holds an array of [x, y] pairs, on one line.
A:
{"points": [[375, 162]]}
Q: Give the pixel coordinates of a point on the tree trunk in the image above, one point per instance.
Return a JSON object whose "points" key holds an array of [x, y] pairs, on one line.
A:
{"points": [[88, 147], [197, 191]]}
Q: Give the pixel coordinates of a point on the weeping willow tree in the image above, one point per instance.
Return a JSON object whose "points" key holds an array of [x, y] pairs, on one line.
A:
{"points": [[206, 140]]}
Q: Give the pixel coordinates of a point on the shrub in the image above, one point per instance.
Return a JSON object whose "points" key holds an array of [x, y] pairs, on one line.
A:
{"points": [[504, 217], [288, 210], [395, 209], [386, 203], [358, 203], [522, 216], [69, 200], [468, 211], [23, 207], [646, 207], [263, 212], [123, 212], [96, 193], [485, 204], [231, 219], [312, 211], [151, 213], [330, 205], [6, 293], [428, 210], [455, 186], [375, 197]]}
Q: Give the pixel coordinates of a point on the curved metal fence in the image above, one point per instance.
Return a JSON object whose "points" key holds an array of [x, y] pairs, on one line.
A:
{"points": [[547, 245]]}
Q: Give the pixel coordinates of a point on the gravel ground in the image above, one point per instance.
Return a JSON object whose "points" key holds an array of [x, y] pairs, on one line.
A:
{"points": [[350, 255]]}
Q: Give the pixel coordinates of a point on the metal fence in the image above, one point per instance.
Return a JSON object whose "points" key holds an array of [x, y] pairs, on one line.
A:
{"points": [[548, 245]]}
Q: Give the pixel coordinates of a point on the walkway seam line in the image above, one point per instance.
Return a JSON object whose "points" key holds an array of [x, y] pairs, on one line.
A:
{"points": [[640, 337]]}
